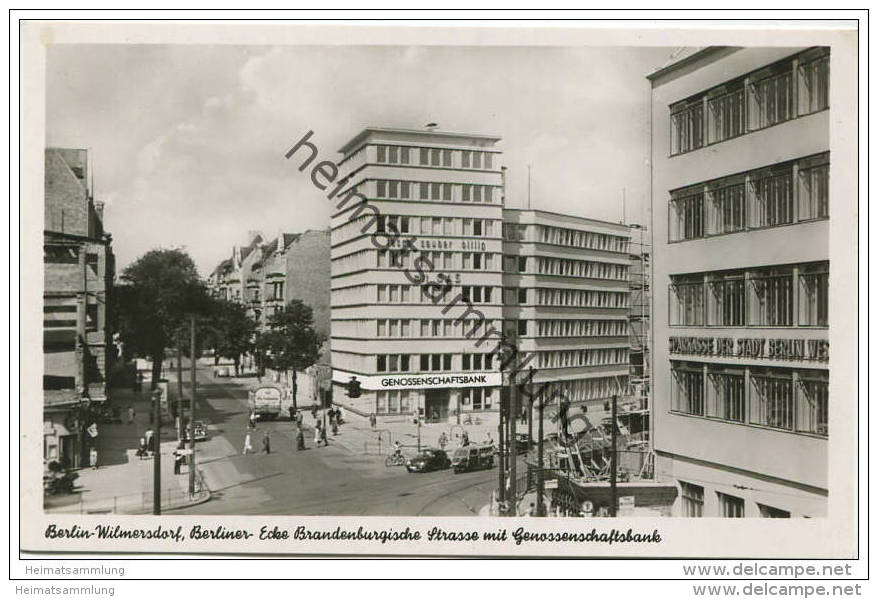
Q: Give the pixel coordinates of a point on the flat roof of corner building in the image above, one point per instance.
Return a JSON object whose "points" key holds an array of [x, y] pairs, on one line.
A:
{"points": [[683, 57], [573, 216], [358, 138]]}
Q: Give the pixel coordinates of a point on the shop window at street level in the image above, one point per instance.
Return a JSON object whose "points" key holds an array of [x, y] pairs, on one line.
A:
{"points": [[692, 497], [766, 511], [730, 506]]}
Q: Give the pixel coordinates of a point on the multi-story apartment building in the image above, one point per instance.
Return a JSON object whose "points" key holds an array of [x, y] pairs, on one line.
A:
{"points": [[428, 270], [740, 207], [78, 276], [267, 276], [233, 278]]}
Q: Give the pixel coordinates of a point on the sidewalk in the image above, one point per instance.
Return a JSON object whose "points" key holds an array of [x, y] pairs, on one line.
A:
{"points": [[123, 483]]}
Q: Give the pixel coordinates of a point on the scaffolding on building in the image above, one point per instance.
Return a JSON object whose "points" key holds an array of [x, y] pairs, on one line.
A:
{"points": [[639, 315]]}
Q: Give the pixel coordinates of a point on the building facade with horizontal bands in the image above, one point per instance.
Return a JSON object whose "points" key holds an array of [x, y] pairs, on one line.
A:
{"points": [[429, 270], [79, 268], [740, 207]]}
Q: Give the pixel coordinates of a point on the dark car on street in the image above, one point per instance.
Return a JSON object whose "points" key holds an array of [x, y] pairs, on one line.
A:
{"points": [[427, 460]]}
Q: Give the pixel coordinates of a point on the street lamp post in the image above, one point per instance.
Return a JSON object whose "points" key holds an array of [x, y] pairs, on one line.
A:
{"points": [[156, 442], [191, 406], [541, 489]]}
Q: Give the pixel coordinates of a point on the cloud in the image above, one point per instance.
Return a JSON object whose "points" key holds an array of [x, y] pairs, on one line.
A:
{"points": [[205, 127]]}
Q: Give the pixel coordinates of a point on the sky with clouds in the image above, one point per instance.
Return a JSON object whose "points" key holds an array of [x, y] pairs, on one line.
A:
{"points": [[188, 142]]}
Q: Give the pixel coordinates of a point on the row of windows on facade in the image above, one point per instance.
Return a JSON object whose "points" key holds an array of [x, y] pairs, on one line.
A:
{"points": [[795, 191], [474, 361], [728, 506], [64, 316], [405, 402], [780, 398], [566, 237], [386, 154], [781, 296], [274, 291], [794, 87], [562, 267], [426, 225], [481, 398], [404, 327], [485, 227], [67, 254], [402, 294], [444, 192]]}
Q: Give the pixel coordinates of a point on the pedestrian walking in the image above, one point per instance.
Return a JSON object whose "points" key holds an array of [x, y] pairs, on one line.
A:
{"points": [[314, 411], [130, 414], [292, 413], [179, 457], [248, 444], [334, 427], [266, 443], [299, 419], [93, 458], [443, 441], [317, 435], [252, 423], [464, 439], [323, 436], [300, 439], [372, 419]]}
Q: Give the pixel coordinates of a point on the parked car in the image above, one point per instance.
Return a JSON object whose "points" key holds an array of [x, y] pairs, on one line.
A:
{"points": [[427, 460], [222, 371]]}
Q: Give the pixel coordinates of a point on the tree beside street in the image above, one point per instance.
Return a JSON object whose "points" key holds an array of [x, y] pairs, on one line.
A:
{"points": [[231, 331], [290, 344], [158, 291]]}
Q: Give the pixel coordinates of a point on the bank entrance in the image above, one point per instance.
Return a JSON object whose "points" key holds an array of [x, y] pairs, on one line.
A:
{"points": [[436, 404]]}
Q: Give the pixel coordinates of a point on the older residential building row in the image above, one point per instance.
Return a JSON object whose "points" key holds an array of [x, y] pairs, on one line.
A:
{"points": [[265, 275]]}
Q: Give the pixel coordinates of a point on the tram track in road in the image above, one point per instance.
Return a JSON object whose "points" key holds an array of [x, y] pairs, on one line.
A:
{"points": [[454, 492]]}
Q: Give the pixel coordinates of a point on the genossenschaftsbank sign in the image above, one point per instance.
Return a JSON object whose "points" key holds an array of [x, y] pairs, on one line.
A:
{"points": [[427, 380]]}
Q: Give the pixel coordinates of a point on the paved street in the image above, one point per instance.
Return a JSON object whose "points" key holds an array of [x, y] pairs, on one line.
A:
{"points": [[337, 480]]}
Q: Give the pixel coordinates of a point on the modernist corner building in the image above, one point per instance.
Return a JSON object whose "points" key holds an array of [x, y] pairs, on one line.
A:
{"points": [[740, 209], [409, 310]]}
